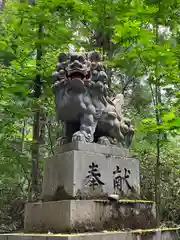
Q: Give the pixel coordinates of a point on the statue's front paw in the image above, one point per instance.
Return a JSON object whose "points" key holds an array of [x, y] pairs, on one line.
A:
{"points": [[104, 141], [78, 136]]}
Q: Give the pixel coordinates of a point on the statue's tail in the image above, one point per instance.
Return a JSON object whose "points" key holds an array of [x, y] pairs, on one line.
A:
{"points": [[118, 102]]}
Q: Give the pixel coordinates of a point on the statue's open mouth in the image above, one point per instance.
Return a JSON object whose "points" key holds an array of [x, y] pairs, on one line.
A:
{"points": [[76, 74]]}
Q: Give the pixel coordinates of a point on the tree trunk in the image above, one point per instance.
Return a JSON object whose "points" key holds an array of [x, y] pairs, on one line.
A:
{"points": [[35, 151], [36, 119], [158, 146], [109, 56], [158, 170]]}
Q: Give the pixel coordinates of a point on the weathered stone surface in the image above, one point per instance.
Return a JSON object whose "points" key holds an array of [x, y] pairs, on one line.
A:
{"points": [[22, 237], [43, 217], [88, 215], [158, 235], [168, 235], [148, 235], [3, 237], [87, 174], [93, 148]]}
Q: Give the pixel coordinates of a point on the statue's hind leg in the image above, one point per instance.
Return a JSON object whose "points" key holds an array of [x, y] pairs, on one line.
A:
{"points": [[116, 133], [87, 129]]}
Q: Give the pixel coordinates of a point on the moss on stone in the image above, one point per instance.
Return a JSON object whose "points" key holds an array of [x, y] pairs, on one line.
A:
{"points": [[155, 230], [125, 201], [134, 201]]}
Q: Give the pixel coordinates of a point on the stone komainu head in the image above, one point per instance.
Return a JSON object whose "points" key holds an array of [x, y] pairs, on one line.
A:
{"points": [[80, 70], [89, 115]]}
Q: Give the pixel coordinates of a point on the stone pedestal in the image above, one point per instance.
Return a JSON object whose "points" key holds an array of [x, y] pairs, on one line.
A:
{"points": [[88, 215], [86, 171], [77, 182], [153, 234]]}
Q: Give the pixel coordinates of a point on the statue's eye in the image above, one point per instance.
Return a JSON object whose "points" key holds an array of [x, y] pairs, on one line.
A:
{"points": [[63, 57], [73, 58], [81, 59]]}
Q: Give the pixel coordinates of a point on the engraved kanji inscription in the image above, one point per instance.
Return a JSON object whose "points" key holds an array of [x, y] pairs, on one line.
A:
{"points": [[93, 177], [119, 178]]}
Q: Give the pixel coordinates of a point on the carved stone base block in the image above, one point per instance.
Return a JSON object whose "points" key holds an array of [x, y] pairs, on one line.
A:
{"points": [[154, 234], [88, 215], [86, 171]]}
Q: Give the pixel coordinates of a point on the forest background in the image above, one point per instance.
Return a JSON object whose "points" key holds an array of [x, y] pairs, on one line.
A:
{"points": [[140, 44]]}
